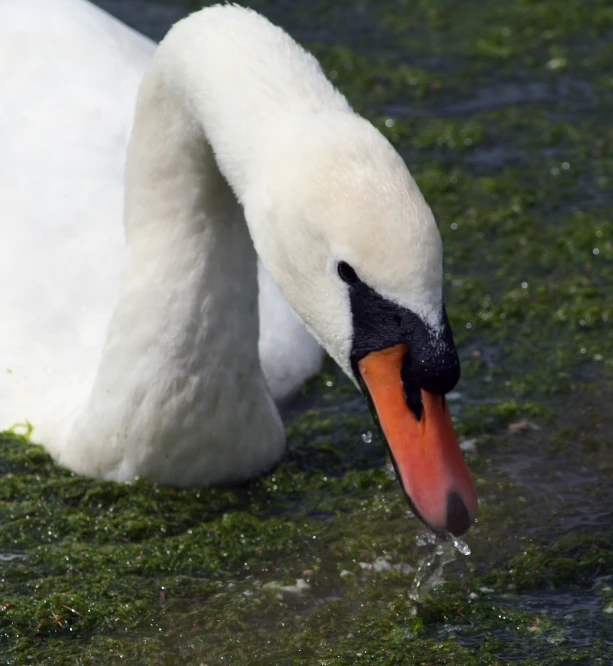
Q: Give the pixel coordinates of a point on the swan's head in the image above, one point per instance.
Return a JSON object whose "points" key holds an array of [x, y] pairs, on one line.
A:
{"points": [[344, 230]]}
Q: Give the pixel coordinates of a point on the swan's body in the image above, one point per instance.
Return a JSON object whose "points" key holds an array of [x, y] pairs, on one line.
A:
{"points": [[239, 140], [69, 74]]}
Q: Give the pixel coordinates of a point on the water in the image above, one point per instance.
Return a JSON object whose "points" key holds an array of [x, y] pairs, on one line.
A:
{"points": [[320, 561], [431, 567], [150, 18]]}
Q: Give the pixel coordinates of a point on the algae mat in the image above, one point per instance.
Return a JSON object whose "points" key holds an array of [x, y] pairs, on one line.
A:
{"points": [[502, 111]]}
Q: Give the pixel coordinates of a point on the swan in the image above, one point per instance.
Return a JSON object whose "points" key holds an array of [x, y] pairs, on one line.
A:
{"points": [[240, 148]]}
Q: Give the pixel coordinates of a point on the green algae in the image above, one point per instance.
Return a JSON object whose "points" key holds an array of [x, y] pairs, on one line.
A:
{"points": [[132, 571], [572, 560], [502, 113]]}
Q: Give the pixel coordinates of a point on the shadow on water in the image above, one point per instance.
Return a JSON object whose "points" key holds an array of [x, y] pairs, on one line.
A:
{"points": [[502, 113]]}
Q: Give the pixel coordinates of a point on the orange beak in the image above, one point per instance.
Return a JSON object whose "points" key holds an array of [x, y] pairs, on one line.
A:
{"points": [[424, 450]]}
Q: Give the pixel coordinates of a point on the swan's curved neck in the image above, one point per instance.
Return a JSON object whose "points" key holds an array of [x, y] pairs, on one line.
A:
{"points": [[189, 280], [187, 245]]}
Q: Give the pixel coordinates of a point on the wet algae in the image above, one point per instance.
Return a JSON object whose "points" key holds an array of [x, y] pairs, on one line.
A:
{"points": [[502, 112]]}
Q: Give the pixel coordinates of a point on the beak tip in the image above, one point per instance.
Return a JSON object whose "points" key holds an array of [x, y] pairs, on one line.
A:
{"points": [[458, 515]]}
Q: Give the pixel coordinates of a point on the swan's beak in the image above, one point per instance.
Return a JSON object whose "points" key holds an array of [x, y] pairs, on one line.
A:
{"points": [[424, 448]]}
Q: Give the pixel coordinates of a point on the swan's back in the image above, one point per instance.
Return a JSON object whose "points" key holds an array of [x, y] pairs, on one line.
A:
{"points": [[69, 73]]}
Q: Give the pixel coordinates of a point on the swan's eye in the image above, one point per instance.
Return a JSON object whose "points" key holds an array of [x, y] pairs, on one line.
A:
{"points": [[346, 273]]}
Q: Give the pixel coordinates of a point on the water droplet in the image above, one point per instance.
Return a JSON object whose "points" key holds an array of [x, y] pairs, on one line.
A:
{"points": [[469, 325], [524, 285], [460, 546], [367, 437], [425, 537], [429, 572], [565, 166], [595, 251], [453, 226], [389, 122]]}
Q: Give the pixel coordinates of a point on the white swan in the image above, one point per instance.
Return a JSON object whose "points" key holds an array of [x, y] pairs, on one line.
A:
{"points": [[238, 141]]}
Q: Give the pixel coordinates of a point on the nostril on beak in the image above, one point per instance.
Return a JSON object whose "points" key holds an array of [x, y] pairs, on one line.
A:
{"points": [[458, 518]]}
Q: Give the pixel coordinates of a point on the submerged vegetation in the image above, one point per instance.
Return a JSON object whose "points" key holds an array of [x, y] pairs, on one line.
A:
{"points": [[502, 111]]}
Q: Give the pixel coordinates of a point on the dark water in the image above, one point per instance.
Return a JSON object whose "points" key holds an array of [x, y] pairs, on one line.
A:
{"points": [[151, 18]]}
